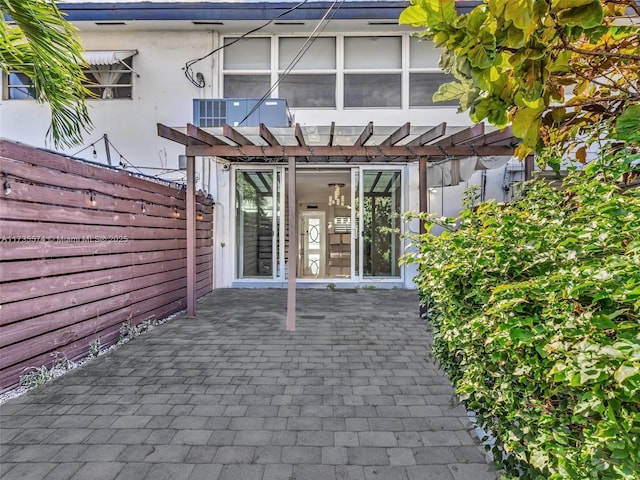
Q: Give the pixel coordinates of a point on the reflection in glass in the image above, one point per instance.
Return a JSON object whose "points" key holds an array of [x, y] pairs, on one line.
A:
{"points": [[254, 223]]}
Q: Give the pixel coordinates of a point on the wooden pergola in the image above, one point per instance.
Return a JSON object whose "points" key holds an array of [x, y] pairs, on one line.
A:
{"points": [[327, 145]]}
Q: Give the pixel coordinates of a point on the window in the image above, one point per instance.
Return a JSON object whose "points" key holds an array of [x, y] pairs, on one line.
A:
{"points": [[372, 80], [19, 86], [311, 81], [247, 67], [334, 72], [109, 76], [425, 77], [110, 80]]}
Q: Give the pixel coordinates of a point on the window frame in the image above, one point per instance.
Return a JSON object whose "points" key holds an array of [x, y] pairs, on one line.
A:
{"points": [[126, 71]]}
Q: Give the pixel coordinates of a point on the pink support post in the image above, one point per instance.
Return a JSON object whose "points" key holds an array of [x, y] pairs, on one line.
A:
{"points": [[191, 237], [293, 248]]}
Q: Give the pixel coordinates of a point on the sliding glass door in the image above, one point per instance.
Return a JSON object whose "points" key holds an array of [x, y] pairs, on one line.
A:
{"points": [[348, 225], [380, 215], [256, 205]]}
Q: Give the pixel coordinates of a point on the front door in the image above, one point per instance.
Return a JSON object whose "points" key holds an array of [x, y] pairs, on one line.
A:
{"points": [[312, 244]]}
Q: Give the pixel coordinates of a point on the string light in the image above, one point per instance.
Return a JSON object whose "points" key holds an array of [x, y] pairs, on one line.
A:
{"points": [[7, 185], [199, 216], [176, 213], [94, 153], [92, 198], [144, 208]]}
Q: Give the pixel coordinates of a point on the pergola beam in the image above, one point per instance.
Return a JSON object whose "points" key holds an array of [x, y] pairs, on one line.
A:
{"points": [[332, 132], [499, 136], [365, 135], [299, 135], [235, 136], [268, 137], [379, 153], [177, 136], [430, 135], [403, 132], [203, 136], [300, 138], [463, 136]]}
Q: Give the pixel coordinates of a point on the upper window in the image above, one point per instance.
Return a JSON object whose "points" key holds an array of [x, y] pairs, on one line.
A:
{"points": [[307, 71], [372, 80], [425, 76], [334, 71], [109, 76], [247, 67]]}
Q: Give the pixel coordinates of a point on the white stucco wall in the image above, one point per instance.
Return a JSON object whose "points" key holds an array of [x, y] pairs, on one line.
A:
{"points": [[162, 94]]}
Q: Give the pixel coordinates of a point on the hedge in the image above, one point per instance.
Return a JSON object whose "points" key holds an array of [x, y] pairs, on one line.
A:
{"points": [[535, 309]]}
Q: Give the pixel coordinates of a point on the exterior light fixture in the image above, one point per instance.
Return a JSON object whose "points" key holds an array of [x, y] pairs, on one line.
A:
{"points": [[144, 208], [92, 198]]}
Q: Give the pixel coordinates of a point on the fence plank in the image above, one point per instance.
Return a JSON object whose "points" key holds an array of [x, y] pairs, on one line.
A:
{"points": [[72, 271]]}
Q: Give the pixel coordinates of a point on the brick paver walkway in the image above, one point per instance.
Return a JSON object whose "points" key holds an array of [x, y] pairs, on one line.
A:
{"points": [[230, 395]]}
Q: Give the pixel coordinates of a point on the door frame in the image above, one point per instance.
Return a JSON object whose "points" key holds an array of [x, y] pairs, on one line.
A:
{"points": [[359, 275], [280, 173]]}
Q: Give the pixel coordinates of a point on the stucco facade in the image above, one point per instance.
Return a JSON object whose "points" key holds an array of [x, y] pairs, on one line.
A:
{"points": [[168, 36]]}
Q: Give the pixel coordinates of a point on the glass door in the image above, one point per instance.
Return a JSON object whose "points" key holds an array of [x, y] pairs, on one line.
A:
{"points": [[256, 223], [380, 222]]}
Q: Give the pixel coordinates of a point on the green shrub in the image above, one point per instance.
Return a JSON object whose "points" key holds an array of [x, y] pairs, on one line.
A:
{"points": [[535, 309]]}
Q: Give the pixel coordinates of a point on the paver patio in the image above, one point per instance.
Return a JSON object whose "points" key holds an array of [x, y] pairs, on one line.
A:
{"points": [[231, 395]]}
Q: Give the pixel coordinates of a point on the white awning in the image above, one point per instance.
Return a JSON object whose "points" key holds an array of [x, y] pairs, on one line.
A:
{"points": [[107, 57]]}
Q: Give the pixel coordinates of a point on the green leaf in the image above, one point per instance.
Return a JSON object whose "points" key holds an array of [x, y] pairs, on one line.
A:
{"points": [[519, 335], [628, 124], [450, 91], [413, 15], [526, 125], [440, 11], [428, 13], [585, 16], [520, 12], [625, 371], [557, 5]]}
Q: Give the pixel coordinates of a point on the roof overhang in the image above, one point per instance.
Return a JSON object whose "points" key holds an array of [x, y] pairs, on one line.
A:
{"points": [[334, 144]]}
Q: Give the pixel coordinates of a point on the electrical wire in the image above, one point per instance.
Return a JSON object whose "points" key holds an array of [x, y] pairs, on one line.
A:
{"points": [[92, 144], [199, 82], [122, 157], [317, 31]]}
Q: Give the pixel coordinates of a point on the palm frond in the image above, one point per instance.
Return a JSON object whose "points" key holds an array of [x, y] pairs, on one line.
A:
{"points": [[46, 48]]}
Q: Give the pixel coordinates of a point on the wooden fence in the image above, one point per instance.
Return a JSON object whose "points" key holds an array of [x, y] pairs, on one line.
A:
{"points": [[83, 249]]}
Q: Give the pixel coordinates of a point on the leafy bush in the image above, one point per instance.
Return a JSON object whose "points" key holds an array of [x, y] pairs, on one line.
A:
{"points": [[535, 309]]}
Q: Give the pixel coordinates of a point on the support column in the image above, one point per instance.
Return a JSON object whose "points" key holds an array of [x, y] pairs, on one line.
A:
{"points": [[423, 190], [422, 186], [293, 248], [529, 164], [191, 236]]}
